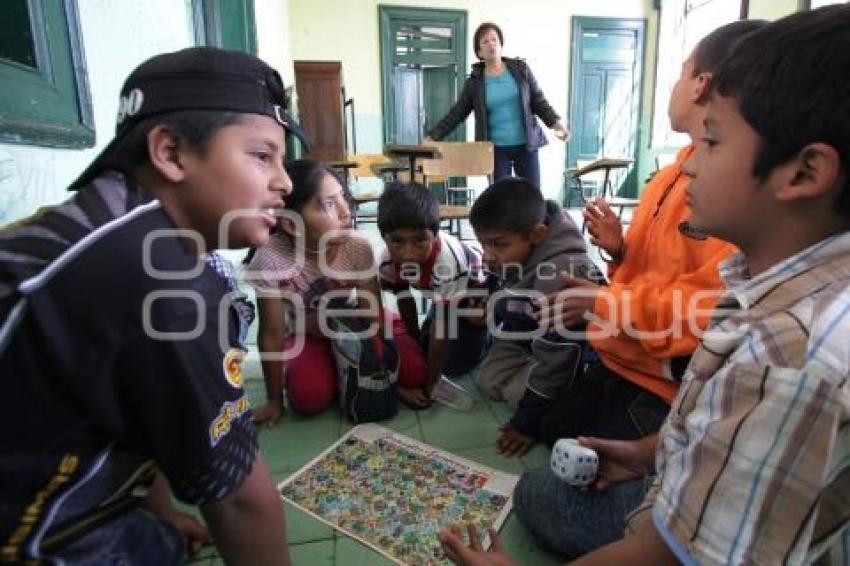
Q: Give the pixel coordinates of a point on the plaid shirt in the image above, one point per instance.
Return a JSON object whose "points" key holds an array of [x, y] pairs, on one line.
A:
{"points": [[754, 459]]}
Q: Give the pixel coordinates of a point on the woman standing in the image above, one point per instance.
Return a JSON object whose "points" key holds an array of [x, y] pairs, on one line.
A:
{"points": [[505, 97]]}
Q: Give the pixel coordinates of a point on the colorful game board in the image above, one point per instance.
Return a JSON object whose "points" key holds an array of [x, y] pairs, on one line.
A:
{"points": [[394, 493]]}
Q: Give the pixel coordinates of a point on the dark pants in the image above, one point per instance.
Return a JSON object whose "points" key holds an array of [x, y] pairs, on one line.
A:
{"points": [[463, 353], [523, 162], [135, 538], [601, 403], [571, 520]]}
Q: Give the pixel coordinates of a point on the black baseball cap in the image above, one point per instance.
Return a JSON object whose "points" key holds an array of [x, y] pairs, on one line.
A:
{"points": [[196, 78]]}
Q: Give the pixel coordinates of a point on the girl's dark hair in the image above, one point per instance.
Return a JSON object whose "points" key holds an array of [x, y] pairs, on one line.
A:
{"points": [[306, 176], [195, 127], [479, 33]]}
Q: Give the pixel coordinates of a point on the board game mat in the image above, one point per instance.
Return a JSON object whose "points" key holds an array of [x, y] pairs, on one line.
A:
{"points": [[394, 493]]}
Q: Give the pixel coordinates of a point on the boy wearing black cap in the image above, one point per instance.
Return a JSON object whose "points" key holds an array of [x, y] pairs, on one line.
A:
{"points": [[119, 346]]}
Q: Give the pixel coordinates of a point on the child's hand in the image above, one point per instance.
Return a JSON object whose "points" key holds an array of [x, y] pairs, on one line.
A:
{"points": [[604, 227], [414, 397], [619, 460], [568, 307], [512, 442], [268, 414], [474, 554]]}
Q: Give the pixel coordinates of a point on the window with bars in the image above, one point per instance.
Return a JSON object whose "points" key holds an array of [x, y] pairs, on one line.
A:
{"points": [[423, 45]]}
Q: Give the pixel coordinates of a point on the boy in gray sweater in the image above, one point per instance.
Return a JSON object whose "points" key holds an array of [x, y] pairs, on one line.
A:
{"points": [[527, 243]]}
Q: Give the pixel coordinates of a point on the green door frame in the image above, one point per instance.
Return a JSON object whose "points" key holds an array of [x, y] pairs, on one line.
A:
{"points": [[389, 15], [225, 23], [579, 23]]}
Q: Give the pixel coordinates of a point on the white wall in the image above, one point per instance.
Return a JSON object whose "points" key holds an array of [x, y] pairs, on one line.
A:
{"points": [[273, 38], [537, 30], [117, 36], [771, 9]]}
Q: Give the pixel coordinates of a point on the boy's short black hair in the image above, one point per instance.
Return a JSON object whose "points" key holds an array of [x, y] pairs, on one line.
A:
{"points": [[791, 86], [204, 79], [511, 203], [408, 206], [714, 47], [195, 127], [480, 31]]}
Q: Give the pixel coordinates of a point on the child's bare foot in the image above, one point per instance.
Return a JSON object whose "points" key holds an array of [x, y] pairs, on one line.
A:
{"points": [[268, 414], [413, 398]]}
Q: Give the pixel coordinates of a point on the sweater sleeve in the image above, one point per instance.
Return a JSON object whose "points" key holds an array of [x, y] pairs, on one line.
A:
{"points": [[539, 104]]}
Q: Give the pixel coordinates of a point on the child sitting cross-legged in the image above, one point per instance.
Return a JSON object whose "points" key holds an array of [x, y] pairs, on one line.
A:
{"points": [[528, 242], [420, 256], [313, 252]]}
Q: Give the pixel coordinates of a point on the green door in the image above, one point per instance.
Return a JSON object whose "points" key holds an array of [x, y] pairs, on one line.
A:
{"points": [[423, 53], [605, 85], [440, 92], [407, 110]]}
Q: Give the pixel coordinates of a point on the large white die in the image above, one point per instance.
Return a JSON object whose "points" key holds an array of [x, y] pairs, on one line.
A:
{"points": [[574, 463]]}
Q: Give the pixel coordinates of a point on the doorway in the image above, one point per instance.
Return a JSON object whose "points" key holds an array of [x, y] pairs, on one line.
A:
{"points": [[606, 81], [423, 67]]}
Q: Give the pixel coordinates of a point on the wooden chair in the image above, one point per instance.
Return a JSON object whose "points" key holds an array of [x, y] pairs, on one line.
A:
{"points": [[459, 159]]}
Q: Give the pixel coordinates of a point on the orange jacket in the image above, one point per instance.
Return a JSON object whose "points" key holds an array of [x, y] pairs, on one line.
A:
{"points": [[651, 290]]}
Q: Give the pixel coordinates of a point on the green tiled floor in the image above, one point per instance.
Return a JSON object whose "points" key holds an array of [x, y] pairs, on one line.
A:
{"points": [[296, 439], [472, 435]]}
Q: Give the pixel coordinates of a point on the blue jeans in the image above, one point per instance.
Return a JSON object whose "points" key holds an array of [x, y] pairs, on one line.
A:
{"points": [[574, 521], [134, 538], [518, 158]]}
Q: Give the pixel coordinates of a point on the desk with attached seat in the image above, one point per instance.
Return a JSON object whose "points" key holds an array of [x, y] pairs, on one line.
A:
{"points": [[606, 165], [454, 214], [411, 153], [370, 166]]}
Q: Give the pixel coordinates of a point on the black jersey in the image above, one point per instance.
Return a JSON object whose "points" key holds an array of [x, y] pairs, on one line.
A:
{"points": [[117, 350]]}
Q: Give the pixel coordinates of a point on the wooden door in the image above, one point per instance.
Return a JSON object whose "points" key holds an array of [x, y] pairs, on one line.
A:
{"points": [[320, 108]]}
